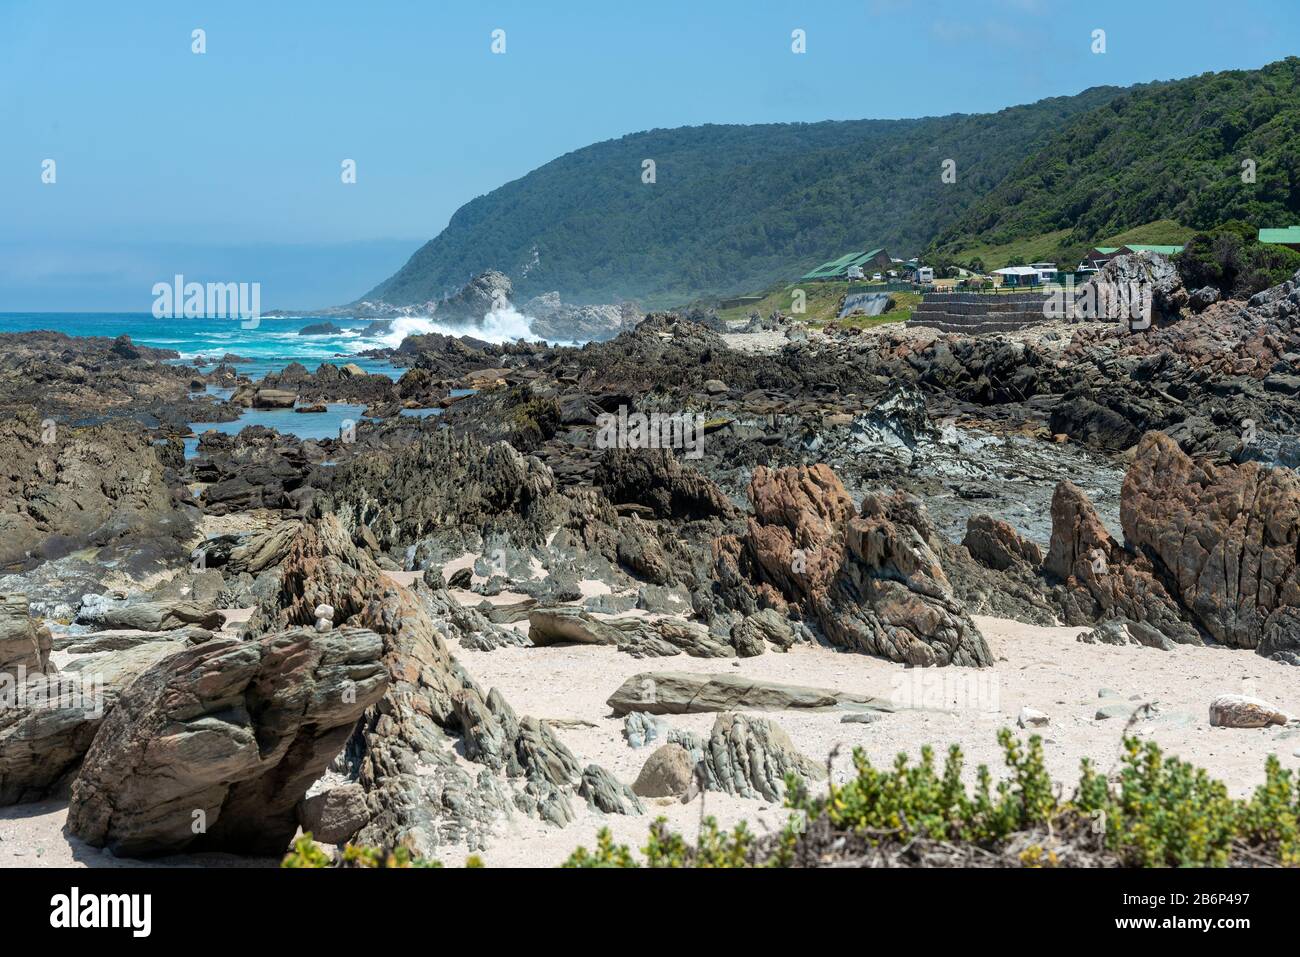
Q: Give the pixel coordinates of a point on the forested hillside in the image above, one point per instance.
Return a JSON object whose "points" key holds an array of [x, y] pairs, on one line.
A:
{"points": [[1168, 152], [739, 208], [732, 208]]}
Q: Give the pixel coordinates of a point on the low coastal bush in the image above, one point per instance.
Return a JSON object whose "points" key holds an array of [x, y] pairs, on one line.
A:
{"points": [[306, 853], [1156, 812], [1153, 811]]}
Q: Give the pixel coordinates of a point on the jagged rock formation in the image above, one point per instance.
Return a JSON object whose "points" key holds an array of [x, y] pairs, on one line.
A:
{"points": [[873, 581], [417, 794], [1210, 552], [1102, 579], [658, 480], [606, 794], [24, 644], [753, 633], [437, 481], [258, 468], [214, 747], [1141, 289], [68, 378], [750, 755], [995, 544], [1226, 539], [67, 489]]}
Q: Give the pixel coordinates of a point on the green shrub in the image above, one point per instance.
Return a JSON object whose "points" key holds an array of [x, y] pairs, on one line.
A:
{"points": [[713, 848], [1161, 812], [1231, 259], [915, 801], [305, 853]]}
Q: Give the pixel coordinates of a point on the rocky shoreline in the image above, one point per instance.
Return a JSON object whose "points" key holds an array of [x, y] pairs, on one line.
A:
{"points": [[435, 630]]}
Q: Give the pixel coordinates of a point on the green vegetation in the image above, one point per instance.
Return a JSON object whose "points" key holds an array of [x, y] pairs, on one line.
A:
{"points": [[1057, 247], [712, 848], [821, 303], [1232, 259], [1161, 813], [305, 853], [748, 207], [1173, 151], [731, 208]]}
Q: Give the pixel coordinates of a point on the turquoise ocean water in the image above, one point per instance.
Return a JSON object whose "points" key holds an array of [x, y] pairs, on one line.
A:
{"points": [[271, 346]]}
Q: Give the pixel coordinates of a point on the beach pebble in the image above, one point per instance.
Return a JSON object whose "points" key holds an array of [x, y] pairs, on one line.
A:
{"points": [[1032, 718]]}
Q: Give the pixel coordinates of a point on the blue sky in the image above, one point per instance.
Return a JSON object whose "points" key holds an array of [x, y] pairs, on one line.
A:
{"points": [[162, 153]]}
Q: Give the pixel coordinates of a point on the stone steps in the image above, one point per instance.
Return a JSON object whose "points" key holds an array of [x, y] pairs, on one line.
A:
{"points": [[980, 329], [973, 313]]}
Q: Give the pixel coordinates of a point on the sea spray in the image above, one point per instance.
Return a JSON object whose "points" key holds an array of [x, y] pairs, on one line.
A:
{"points": [[503, 324]]}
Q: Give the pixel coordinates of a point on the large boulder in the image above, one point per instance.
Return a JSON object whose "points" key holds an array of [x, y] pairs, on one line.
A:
{"points": [[48, 723], [488, 291], [1145, 283], [666, 692], [333, 816], [1100, 578], [873, 581], [213, 748], [1225, 538], [666, 773]]}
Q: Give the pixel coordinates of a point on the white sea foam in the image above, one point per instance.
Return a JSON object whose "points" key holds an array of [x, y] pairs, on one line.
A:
{"points": [[507, 324]]}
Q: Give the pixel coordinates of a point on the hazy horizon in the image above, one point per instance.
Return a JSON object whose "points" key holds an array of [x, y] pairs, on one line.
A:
{"points": [[172, 161]]}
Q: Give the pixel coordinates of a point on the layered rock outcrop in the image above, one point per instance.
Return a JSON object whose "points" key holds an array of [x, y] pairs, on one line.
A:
{"points": [[1210, 552], [213, 748], [873, 580], [1225, 538], [417, 794], [24, 643], [67, 489], [1101, 578]]}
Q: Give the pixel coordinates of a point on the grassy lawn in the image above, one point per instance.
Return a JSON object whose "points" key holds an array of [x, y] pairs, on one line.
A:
{"points": [[822, 301], [1055, 246]]}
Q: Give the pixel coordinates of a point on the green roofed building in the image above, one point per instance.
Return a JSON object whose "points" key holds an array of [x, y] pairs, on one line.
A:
{"points": [[870, 261], [1289, 237], [1162, 250]]}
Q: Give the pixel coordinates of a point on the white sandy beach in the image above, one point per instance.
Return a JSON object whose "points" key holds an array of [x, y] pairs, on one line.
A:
{"points": [[1044, 668]]}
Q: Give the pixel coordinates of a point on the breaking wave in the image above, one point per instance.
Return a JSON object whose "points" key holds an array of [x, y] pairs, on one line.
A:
{"points": [[500, 325]]}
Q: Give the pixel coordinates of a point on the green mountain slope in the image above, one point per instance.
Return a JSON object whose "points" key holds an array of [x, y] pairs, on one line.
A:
{"points": [[739, 208], [732, 208], [1167, 152]]}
